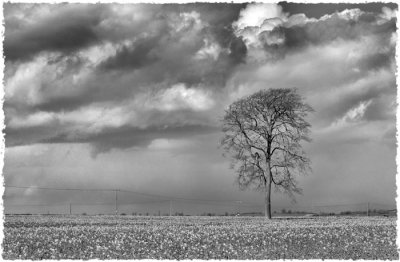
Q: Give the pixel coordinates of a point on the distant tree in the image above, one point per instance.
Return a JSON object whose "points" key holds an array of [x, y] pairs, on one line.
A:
{"points": [[283, 211], [263, 135]]}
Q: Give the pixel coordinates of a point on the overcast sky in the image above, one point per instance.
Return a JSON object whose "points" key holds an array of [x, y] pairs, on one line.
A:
{"points": [[130, 96]]}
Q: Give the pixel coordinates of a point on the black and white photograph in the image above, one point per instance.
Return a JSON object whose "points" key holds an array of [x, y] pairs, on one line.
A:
{"points": [[199, 130]]}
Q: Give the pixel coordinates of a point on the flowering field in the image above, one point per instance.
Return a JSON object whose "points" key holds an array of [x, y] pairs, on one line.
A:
{"points": [[129, 237]]}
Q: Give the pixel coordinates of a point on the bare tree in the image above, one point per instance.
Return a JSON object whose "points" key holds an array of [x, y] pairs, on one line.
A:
{"points": [[263, 134]]}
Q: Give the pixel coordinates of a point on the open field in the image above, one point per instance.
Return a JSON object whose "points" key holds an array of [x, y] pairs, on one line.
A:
{"points": [[129, 237]]}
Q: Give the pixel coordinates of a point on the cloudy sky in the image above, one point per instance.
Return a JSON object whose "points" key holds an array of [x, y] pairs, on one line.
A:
{"points": [[130, 96]]}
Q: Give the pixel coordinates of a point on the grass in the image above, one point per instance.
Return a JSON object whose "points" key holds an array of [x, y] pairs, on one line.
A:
{"points": [[130, 237]]}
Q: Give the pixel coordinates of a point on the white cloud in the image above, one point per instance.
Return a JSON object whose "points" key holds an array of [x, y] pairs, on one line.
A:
{"points": [[32, 120], [94, 118], [256, 14], [131, 13], [355, 114], [180, 97], [347, 14], [168, 144], [28, 14], [47, 77], [89, 119], [24, 85], [387, 14], [99, 53], [24, 151], [209, 50], [256, 19], [186, 21], [299, 20]]}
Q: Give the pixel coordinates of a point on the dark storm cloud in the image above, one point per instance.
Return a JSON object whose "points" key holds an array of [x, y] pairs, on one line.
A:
{"points": [[31, 135], [133, 57], [377, 61], [238, 50], [61, 104], [122, 137], [126, 137], [65, 31], [165, 115]]}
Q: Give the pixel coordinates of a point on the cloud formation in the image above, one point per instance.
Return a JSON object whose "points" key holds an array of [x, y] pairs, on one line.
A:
{"points": [[118, 78], [157, 61], [64, 29], [87, 68]]}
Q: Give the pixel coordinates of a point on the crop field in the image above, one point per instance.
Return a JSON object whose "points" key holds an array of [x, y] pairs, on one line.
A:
{"points": [[130, 237]]}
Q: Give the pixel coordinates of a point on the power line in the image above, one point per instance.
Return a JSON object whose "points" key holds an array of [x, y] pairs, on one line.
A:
{"points": [[92, 204], [166, 198], [379, 204], [338, 205], [144, 194], [33, 205], [62, 189]]}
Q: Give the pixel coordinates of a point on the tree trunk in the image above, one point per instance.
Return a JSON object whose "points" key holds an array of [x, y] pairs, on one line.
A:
{"points": [[268, 199], [268, 181]]}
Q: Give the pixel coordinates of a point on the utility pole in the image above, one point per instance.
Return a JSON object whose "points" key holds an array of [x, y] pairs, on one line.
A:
{"points": [[70, 208], [170, 207], [368, 209], [116, 201], [239, 202]]}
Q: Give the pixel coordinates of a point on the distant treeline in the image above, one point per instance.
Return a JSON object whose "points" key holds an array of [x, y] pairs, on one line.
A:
{"points": [[284, 212]]}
